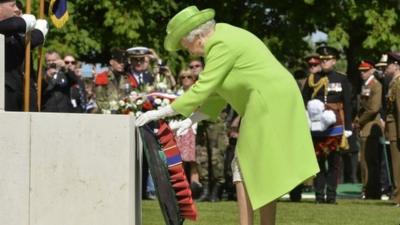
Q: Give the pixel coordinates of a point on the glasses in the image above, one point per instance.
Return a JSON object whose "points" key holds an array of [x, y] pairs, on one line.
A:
{"points": [[194, 66], [70, 62], [186, 77]]}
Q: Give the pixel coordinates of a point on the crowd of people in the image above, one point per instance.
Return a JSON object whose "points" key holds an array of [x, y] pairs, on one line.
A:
{"points": [[339, 120], [355, 136]]}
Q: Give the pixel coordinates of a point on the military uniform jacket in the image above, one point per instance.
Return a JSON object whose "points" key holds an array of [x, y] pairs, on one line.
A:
{"points": [[109, 88], [393, 110], [371, 102], [274, 149], [13, 28], [338, 92]]}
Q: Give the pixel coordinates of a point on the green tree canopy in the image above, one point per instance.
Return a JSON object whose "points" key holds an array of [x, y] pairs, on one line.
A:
{"points": [[360, 29]]}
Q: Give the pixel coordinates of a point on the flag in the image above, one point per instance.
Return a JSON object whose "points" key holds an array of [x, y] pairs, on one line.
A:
{"points": [[58, 12]]}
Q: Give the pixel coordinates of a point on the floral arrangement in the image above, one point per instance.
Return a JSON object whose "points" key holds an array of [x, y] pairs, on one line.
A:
{"points": [[137, 103]]}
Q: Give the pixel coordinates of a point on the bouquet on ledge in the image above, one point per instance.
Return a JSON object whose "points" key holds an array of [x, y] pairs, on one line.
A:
{"points": [[137, 103]]}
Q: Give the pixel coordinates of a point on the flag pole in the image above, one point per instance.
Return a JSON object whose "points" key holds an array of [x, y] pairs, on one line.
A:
{"points": [[40, 63], [27, 84]]}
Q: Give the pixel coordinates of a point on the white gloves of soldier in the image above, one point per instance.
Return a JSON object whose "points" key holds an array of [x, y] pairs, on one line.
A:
{"points": [[183, 126], [154, 115], [348, 133], [30, 21], [43, 26]]}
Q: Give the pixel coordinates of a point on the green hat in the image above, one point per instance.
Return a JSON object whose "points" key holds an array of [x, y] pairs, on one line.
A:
{"points": [[183, 23]]}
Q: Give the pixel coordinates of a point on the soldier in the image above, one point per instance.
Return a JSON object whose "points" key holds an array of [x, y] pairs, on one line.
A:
{"points": [[332, 89], [14, 27], [386, 179], [392, 131], [368, 121], [210, 150], [114, 84], [313, 66]]}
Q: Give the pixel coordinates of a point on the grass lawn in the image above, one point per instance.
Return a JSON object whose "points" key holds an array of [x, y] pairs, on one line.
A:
{"points": [[346, 212]]}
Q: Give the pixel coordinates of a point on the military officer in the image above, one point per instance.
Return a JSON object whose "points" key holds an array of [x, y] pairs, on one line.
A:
{"points": [[393, 119], [333, 90], [368, 121], [313, 67]]}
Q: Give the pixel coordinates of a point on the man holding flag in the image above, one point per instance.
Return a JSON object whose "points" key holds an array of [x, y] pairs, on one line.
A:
{"points": [[14, 28]]}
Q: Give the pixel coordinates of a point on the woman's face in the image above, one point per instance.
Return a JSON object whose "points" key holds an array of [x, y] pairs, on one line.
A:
{"points": [[195, 47], [187, 80]]}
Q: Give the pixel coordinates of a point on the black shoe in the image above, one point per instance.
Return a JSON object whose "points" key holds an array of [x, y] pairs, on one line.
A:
{"points": [[319, 201], [215, 193], [331, 201], [196, 189], [205, 196]]}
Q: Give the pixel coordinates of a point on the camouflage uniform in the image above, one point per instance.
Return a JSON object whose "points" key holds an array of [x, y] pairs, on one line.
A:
{"points": [[111, 88], [211, 144]]}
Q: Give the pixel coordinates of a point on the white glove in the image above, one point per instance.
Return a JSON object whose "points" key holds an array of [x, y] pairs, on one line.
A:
{"points": [[30, 21], [348, 133], [43, 26], [154, 115], [182, 127]]}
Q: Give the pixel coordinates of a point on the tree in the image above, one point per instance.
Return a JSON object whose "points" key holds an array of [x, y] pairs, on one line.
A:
{"points": [[361, 29]]}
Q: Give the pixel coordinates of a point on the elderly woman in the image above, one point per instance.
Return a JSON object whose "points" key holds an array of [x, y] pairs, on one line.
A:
{"points": [[274, 149]]}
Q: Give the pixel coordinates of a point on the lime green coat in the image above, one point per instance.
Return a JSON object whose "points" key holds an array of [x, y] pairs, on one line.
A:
{"points": [[274, 148]]}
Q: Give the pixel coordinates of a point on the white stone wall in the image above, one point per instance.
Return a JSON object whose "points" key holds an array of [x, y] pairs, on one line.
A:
{"points": [[70, 169], [1, 72], [14, 168]]}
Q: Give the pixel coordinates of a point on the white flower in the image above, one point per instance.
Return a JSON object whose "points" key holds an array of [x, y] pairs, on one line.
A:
{"points": [[162, 86], [138, 113], [114, 105], [166, 101], [105, 111], [121, 103], [148, 89], [180, 92], [132, 98], [139, 102], [158, 101], [133, 94]]}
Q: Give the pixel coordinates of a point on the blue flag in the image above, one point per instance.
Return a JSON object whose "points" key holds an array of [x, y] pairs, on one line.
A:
{"points": [[58, 12]]}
